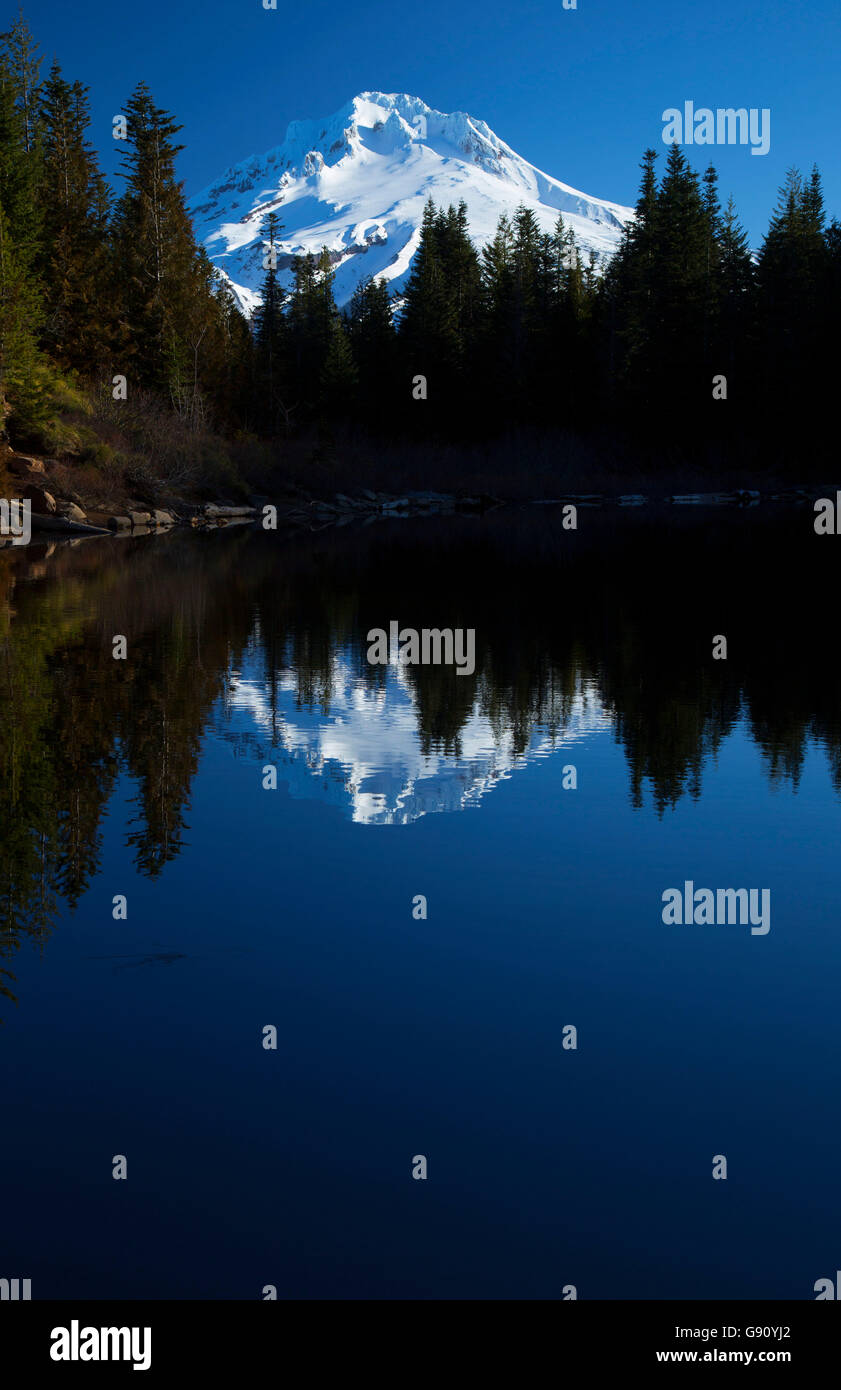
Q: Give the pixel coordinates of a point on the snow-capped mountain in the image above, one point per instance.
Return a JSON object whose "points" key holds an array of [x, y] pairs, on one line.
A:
{"points": [[357, 184]]}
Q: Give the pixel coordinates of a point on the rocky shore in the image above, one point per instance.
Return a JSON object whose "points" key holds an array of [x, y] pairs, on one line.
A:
{"points": [[61, 512], [58, 510]]}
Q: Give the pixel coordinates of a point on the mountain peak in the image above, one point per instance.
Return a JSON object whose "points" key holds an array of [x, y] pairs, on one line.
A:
{"points": [[357, 181]]}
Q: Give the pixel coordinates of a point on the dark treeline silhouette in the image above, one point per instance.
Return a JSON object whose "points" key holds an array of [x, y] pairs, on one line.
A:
{"points": [[554, 615], [526, 335]]}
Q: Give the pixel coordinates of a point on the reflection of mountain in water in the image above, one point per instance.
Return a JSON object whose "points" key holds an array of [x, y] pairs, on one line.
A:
{"points": [[261, 639], [365, 753]]}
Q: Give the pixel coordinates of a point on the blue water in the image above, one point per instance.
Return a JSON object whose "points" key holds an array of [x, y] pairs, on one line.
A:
{"points": [[396, 1037]]}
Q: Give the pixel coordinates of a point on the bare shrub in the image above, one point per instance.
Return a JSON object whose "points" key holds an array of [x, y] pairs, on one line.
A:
{"points": [[168, 449]]}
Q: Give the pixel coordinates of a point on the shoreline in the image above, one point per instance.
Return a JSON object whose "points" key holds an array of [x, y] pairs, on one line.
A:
{"points": [[60, 513]]}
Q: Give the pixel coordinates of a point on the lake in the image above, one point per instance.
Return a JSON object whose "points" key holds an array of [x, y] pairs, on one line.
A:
{"points": [[445, 895]]}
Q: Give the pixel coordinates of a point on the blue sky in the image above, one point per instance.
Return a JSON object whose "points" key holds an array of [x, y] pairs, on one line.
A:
{"points": [[580, 93]]}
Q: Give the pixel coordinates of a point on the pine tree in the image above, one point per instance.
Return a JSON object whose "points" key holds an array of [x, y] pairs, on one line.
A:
{"points": [[736, 280], [152, 246], [712, 253], [496, 357], [429, 324], [642, 252], [563, 367], [72, 262], [780, 263], [19, 170], [270, 341], [372, 336], [628, 306], [791, 272], [233, 386], [681, 244], [461, 277], [339, 375], [526, 330], [311, 317], [24, 63]]}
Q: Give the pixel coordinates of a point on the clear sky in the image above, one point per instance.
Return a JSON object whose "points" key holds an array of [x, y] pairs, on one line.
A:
{"points": [[580, 93]]}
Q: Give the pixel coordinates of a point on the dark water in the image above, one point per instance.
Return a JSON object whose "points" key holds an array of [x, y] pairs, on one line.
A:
{"points": [[547, 1166]]}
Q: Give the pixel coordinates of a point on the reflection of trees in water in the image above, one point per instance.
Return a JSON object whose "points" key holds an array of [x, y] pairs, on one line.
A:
{"points": [[72, 718], [627, 607]]}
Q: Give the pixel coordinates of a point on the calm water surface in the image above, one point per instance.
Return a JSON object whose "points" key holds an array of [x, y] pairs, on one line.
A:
{"points": [[292, 907]]}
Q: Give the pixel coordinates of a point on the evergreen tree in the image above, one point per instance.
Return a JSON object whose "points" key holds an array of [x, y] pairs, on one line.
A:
{"points": [[372, 336], [312, 311], [461, 277], [152, 245], [19, 170], [429, 323], [712, 229], [791, 272], [680, 292], [629, 307], [72, 261], [527, 340], [270, 341], [496, 357], [736, 281], [24, 64], [339, 375]]}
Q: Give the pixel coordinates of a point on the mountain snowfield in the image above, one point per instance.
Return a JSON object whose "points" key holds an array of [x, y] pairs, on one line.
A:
{"points": [[357, 184]]}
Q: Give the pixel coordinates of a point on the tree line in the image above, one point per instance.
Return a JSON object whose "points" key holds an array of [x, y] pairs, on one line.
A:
{"points": [[684, 327]]}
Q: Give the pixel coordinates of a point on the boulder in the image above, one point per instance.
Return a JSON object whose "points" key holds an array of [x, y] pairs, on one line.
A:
{"points": [[42, 502], [21, 465], [101, 519], [139, 519], [118, 523], [163, 518], [71, 511]]}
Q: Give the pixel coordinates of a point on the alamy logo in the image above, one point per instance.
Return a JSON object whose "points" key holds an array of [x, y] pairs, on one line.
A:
{"points": [[828, 519], [828, 1288], [16, 520], [432, 646], [708, 907], [10, 1290], [75, 1343], [724, 126]]}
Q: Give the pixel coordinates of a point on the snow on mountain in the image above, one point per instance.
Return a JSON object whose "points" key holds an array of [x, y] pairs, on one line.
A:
{"points": [[357, 184]]}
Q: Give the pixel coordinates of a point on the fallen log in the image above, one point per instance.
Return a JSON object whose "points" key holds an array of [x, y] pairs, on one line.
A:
{"points": [[213, 509]]}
